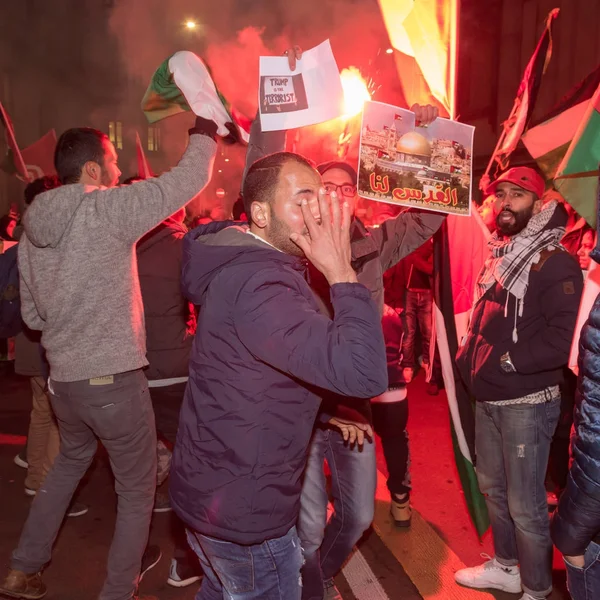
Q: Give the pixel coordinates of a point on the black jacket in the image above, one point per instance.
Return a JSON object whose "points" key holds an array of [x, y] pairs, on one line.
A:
{"points": [[545, 331], [169, 317], [262, 357]]}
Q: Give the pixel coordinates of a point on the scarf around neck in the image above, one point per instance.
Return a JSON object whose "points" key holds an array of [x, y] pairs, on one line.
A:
{"points": [[511, 259]]}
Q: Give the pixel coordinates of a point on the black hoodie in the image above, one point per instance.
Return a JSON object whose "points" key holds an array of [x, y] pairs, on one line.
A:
{"points": [[545, 331]]}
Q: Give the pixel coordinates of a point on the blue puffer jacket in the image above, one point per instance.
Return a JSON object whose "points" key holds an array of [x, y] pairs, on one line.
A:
{"points": [[262, 357], [576, 522]]}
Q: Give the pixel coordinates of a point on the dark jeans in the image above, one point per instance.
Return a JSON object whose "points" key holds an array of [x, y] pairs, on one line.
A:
{"points": [[418, 314], [267, 571], [167, 401], [584, 584], [512, 447], [390, 420], [354, 479], [118, 411]]}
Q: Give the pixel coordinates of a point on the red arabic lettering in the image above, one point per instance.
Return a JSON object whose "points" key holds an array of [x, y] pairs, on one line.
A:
{"points": [[379, 184], [404, 194]]}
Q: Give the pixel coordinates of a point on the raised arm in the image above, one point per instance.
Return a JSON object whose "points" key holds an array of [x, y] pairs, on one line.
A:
{"points": [[131, 211]]}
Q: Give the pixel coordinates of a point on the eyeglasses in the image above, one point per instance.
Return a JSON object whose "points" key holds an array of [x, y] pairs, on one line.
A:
{"points": [[346, 189]]}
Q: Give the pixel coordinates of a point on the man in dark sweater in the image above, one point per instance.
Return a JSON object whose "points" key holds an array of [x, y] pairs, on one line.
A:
{"points": [[513, 359]]}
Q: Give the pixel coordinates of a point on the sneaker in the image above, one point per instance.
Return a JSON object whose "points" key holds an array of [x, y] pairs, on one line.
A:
{"points": [[408, 374], [331, 591], [162, 503], [401, 511], [528, 597], [151, 558], [20, 585], [492, 575], [77, 509], [193, 78], [182, 574], [30, 492], [21, 460]]}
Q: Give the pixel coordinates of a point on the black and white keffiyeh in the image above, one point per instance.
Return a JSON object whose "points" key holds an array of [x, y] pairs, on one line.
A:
{"points": [[512, 258]]}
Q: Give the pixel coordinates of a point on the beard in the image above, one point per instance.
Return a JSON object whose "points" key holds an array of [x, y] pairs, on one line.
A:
{"points": [[278, 234], [516, 224]]}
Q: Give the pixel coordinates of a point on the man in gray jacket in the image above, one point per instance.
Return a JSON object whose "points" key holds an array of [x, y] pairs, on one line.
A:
{"points": [[80, 287]]}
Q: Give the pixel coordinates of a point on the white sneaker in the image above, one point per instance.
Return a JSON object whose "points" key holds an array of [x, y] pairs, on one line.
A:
{"points": [[528, 597], [491, 575]]}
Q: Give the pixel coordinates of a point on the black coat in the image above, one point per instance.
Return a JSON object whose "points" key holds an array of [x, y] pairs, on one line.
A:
{"points": [[545, 331], [262, 357], [169, 317]]}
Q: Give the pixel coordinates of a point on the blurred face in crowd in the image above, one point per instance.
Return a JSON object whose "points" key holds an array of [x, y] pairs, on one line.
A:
{"points": [[486, 211], [283, 215], [514, 207], [587, 245], [337, 180]]}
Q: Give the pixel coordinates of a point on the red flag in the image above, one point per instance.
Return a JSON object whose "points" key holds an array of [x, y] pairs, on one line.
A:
{"points": [[144, 170], [39, 157], [13, 146]]}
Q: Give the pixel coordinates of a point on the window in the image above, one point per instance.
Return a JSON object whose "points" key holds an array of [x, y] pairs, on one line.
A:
{"points": [[153, 139], [115, 133]]}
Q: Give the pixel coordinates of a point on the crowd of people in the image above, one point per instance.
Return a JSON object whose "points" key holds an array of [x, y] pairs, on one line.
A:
{"points": [[229, 362]]}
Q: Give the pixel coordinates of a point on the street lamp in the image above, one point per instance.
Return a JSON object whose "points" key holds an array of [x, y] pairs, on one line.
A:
{"points": [[191, 25]]}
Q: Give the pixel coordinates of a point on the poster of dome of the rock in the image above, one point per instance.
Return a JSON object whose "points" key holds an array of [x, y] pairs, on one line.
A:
{"points": [[409, 165]]}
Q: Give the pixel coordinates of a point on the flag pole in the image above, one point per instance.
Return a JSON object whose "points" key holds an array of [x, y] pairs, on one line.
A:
{"points": [[454, 29], [12, 143]]}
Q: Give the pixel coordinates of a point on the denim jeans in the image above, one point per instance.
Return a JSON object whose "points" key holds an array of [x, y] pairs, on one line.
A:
{"points": [[118, 411], [267, 571], [512, 446], [584, 584], [354, 480], [418, 313]]}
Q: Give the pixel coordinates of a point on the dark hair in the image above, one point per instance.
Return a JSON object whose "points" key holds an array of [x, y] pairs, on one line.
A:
{"points": [[75, 147], [43, 184], [262, 178]]}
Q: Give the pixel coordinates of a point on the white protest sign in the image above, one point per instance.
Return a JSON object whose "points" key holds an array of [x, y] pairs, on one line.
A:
{"points": [[309, 95]]}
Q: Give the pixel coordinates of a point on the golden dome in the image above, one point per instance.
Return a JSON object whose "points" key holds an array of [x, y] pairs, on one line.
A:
{"points": [[414, 143]]}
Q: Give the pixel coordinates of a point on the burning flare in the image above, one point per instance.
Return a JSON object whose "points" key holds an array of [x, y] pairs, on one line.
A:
{"points": [[356, 91]]}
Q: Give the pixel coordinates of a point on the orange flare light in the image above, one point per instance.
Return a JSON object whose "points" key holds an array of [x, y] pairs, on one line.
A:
{"points": [[356, 92]]}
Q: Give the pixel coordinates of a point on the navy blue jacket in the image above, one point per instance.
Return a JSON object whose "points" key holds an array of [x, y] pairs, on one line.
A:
{"points": [[262, 356], [576, 522]]}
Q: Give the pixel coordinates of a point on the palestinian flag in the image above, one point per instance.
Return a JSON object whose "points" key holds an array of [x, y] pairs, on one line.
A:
{"points": [[524, 103], [460, 249], [577, 175], [549, 139], [13, 147], [183, 83]]}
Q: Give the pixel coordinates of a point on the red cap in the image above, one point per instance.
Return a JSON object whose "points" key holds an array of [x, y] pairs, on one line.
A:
{"points": [[524, 177]]}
